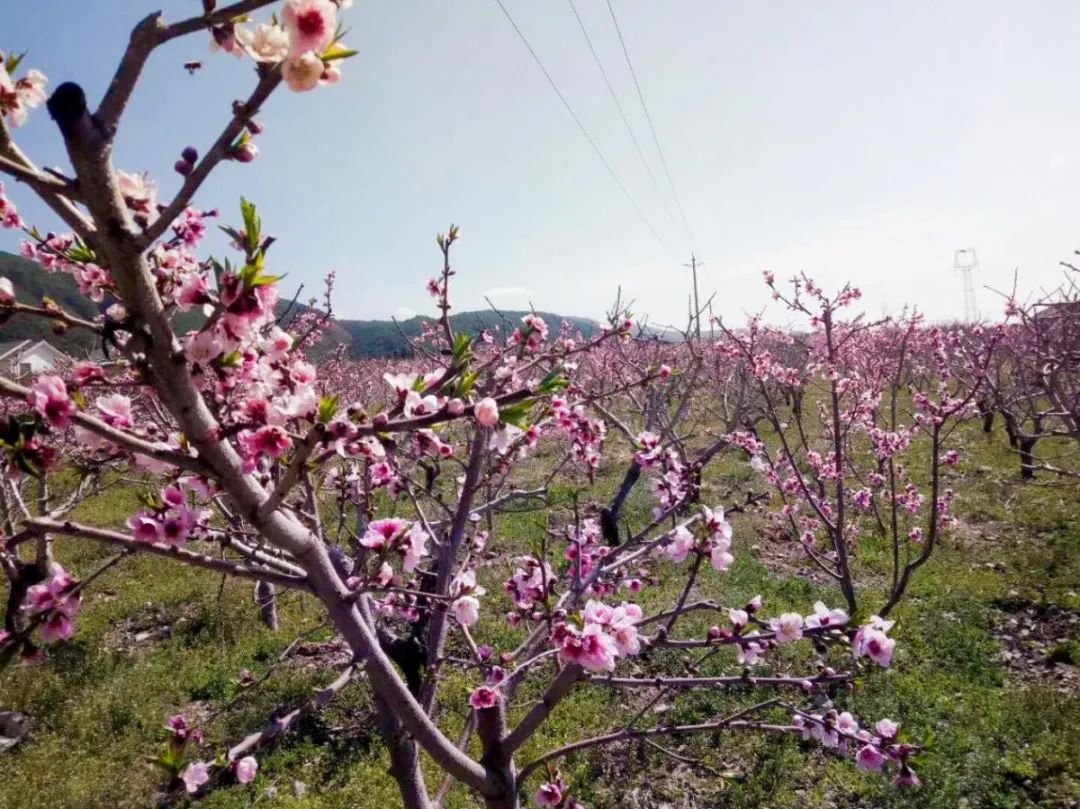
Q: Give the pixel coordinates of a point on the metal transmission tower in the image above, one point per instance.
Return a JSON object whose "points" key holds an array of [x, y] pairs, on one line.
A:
{"points": [[966, 262]]}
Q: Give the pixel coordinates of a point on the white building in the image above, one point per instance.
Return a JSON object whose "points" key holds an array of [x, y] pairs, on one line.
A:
{"points": [[22, 358]]}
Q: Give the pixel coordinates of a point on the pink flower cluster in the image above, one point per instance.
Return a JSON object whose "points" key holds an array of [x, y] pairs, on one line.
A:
{"points": [[553, 793], [19, 96], [584, 550], [172, 522], [840, 731], [713, 539], [789, 626], [55, 600], [403, 538], [305, 43], [483, 698], [608, 634], [586, 435], [649, 450], [9, 216], [532, 334], [466, 605], [871, 641], [530, 584], [48, 396], [197, 773]]}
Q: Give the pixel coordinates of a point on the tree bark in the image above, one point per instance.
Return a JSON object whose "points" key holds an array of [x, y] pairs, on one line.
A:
{"points": [[266, 598], [1027, 458], [404, 759]]}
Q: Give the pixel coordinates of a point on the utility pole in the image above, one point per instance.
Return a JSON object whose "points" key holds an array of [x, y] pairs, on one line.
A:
{"points": [[693, 265]]}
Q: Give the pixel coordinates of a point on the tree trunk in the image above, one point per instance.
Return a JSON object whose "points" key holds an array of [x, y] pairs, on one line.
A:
{"points": [[1027, 467], [266, 598], [21, 577], [404, 759], [507, 801], [498, 762], [1010, 430]]}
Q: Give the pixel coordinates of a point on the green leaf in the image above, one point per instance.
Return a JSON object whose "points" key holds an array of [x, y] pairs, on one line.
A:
{"points": [[82, 253], [327, 408], [252, 222], [554, 381], [26, 465], [231, 360], [233, 233], [516, 414], [14, 61], [462, 347], [466, 383], [219, 269], [337, 51], [265, 280]]}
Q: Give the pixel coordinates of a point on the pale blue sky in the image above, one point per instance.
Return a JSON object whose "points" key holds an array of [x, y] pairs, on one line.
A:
{"points": [[863, 141]]}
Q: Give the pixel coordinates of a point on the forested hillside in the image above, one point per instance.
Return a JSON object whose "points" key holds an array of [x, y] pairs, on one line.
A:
{"points": [[32, 285], [365, 338]]}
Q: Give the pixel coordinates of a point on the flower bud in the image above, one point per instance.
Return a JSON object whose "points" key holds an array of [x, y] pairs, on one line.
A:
{"points": [[183, 167], [190, 154], [245, 153]]}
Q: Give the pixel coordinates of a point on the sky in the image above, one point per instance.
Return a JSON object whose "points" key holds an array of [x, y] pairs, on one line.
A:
{"points": [[861, 142]]}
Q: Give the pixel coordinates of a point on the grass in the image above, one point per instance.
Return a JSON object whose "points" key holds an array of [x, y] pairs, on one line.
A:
{"points": [[97, 705]]}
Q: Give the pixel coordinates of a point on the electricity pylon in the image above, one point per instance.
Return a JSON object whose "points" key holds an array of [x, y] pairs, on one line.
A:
{"points": [[966, 262]]}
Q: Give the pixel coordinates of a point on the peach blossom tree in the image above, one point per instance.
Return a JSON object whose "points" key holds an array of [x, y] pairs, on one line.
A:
{"points": [[265, 471]]}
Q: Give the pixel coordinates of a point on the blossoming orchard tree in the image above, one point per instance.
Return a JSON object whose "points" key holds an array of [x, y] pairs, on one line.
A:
{"points": [[1034, 382], [267, 472]]}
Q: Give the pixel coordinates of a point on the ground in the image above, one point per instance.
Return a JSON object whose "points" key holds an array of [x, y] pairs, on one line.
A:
{"points": [[985, 675]]}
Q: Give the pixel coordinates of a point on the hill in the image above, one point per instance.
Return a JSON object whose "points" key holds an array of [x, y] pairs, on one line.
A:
{"points": [[31, 285], [385, 338], [365, 338]]}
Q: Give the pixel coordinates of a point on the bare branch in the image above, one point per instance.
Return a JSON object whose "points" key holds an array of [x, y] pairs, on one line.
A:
{"points": [[242, 571]]}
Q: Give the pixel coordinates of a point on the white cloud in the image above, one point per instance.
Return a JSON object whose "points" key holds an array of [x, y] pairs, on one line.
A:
{"points": [[509, 296]]}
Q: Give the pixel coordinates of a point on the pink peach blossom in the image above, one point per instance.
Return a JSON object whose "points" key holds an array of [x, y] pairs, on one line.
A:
{"points": [[195, 775], [309, 25], [486, 412], [246, 768]]}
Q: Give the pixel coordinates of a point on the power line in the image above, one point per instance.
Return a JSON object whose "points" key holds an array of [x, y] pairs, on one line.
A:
{"points": [[582, 128], [622, 114], [645, 109]]}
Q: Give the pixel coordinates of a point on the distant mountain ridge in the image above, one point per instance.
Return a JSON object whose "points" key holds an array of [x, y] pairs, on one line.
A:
{"points": [[31, 284], [384, 338], [364, 338]]}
